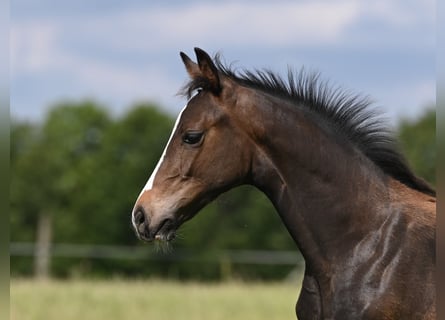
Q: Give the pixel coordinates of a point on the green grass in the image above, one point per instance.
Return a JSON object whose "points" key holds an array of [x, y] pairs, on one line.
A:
{"points": [[160, 300]]}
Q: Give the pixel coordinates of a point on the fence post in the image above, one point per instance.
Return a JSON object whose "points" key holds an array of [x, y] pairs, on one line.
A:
{"points": [[225, 267], [43, 246]]}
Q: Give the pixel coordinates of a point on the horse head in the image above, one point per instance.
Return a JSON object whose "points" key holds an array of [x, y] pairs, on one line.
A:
{"points": [[205, 155]]}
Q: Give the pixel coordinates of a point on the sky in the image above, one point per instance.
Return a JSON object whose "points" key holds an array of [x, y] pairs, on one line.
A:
{"points": [[122, 52]]}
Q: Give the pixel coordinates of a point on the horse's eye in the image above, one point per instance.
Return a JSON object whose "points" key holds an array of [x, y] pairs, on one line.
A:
{"points": [[192, 137]]}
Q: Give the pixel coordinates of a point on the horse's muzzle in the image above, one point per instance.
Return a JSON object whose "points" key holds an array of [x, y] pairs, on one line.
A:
{"points": [[148, 230]]}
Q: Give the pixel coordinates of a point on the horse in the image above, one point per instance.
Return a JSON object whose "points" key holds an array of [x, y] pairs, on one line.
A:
{"points": [[363, 221]]}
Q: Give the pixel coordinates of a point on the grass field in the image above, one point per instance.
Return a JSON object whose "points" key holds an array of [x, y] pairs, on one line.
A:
{"points": [[160, 300]]}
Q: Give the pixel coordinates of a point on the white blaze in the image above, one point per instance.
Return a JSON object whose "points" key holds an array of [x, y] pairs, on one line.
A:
{"points": [[149, 184]]}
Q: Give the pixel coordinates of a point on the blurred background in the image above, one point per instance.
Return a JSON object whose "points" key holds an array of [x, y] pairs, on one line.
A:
{"points": [[93, 98]]}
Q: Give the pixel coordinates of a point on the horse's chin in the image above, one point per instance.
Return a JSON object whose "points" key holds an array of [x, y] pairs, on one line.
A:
{"points": [[165, 237], [162, 245]]}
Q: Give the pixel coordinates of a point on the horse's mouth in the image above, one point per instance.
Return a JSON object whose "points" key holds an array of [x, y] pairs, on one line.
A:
{"points": [[165, 237], [165, 232]]}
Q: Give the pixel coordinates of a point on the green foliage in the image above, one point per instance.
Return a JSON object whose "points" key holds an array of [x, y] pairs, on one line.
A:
{"points": [[85, 170], [49, 162], [418, 141]]}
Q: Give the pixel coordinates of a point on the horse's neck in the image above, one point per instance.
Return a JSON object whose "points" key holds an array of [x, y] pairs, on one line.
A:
{"points": [[321, 188]]}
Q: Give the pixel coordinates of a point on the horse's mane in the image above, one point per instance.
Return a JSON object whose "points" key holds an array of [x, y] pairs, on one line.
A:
{"points": [[350, 115]]}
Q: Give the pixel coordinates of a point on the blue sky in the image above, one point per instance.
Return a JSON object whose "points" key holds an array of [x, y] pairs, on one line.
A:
{"points": [[122, 52]]}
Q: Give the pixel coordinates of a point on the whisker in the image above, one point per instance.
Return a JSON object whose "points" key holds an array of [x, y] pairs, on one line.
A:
{"points": [[162, 246]]}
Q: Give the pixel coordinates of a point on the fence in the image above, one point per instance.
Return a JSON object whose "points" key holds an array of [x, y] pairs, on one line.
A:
{"points": [[225, 258]]}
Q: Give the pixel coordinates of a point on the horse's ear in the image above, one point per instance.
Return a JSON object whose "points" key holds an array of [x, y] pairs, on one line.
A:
{"points": [[208, 70], [191, 67]]}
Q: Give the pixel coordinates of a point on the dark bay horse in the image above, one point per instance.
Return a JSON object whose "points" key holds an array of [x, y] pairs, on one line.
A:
{"points": [[363, 221]]}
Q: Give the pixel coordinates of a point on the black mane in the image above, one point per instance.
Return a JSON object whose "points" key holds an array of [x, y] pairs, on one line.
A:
{"points": [[349, 114]]}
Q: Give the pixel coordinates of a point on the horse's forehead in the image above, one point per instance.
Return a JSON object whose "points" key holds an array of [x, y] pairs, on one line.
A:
{"points": [[200, 109]]}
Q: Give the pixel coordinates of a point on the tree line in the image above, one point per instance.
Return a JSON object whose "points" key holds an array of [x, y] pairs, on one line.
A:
{"points": [[75, 177]]}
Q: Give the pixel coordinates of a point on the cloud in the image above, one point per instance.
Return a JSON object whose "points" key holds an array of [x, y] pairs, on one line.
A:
{"points": [[421, 96], [38, 48], [32, 46], [99, 52], [277, 23], [265, 24], [400, 13]]}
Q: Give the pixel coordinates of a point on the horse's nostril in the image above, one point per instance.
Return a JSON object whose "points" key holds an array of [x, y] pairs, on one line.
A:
{"points": [[139, 217], [141, 223], [142, 228]]}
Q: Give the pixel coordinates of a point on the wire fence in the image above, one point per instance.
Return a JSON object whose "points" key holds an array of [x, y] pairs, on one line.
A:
{"points": [[225, 260], [259, 257]]}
